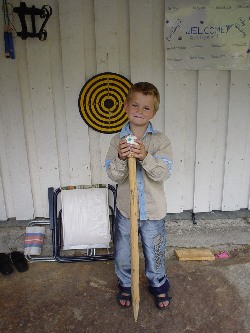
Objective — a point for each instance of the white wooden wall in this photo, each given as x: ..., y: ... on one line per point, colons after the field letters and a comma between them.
x: 44, y: 141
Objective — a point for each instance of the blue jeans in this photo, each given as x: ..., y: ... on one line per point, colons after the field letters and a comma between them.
x: 153, y: 238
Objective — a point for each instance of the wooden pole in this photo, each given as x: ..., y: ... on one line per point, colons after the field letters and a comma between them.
x: 134, y: 236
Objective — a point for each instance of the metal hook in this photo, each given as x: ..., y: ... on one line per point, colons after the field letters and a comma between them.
x: 22, y: 11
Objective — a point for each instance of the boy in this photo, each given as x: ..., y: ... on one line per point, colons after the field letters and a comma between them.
x: 154, y: 164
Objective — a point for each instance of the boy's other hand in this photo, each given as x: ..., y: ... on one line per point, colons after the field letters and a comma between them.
x: 138, y: 151
x: 126, y: 150
x: 123, y: 150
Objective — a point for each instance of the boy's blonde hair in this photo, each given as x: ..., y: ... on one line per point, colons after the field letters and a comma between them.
x: 145, y: 88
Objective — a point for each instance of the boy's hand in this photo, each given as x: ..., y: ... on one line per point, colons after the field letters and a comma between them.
x: 134, y: 150
x: 123, y: 149
x: 138, y: 151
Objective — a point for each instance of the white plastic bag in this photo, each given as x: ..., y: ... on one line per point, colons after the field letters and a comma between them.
x: 85, y: 218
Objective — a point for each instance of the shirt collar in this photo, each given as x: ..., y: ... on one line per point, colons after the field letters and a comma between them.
x: 126, y: 130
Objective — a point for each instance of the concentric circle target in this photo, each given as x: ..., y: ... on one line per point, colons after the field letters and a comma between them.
x: 101, y: 102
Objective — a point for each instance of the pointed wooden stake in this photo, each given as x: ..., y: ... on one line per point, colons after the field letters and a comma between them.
x: 134, y: 236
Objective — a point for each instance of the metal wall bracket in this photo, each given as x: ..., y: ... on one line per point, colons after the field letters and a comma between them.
x: 23, y: 11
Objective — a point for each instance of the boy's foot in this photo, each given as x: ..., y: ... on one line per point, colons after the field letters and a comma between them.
x: 162, y: 301
x: 124, y: 299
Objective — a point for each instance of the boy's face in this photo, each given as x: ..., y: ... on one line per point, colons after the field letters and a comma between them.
x: 140, y: 109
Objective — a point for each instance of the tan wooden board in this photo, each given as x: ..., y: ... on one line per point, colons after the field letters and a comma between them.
x: 194, y: 254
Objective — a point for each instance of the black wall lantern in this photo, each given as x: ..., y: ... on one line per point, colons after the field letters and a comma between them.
x: 23, y: 11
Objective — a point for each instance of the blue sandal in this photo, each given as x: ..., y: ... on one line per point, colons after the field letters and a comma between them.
x: 124, y: 295
x: 160, y: 299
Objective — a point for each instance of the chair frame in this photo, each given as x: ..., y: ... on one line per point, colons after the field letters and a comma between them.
x: 55, y: 223
x: 50, y: 222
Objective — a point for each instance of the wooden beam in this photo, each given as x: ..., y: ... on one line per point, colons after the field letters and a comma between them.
x: 194, y: 254
x: 134, y: 236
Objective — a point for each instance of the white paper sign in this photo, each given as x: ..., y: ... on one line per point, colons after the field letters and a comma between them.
x: 207, y: 34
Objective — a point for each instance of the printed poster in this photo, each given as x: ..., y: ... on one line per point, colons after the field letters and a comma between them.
x: 207, y: 34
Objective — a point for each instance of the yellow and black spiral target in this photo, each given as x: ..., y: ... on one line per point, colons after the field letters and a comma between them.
x: 101, y: 102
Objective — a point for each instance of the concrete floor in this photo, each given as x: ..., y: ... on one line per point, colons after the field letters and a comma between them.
x: 81, y: 297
